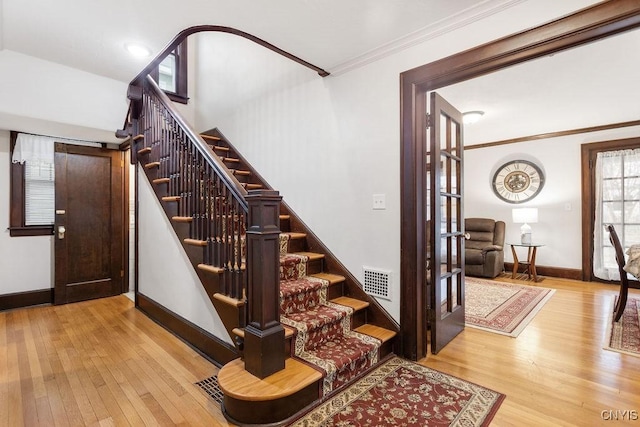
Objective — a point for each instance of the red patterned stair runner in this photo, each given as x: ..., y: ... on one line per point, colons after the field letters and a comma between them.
x: 324, y: 337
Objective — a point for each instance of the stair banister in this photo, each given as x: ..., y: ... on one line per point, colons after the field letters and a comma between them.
x: 230, y: 181
x: 182, y: 35
x: 218, y: 206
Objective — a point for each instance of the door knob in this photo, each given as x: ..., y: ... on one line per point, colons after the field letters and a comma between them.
x: 61, y: 231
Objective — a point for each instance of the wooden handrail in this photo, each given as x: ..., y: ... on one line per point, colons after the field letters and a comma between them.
x: 182, y: 35
x: 225, y: 175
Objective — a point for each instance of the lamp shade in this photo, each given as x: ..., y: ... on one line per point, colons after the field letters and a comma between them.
x: 525, y: 215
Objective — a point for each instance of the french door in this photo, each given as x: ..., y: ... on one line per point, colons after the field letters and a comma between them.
x: 444, y: 190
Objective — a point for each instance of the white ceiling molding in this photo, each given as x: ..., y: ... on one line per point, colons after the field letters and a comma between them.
x: 437, y: 29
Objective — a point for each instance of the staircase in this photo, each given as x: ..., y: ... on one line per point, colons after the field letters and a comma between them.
x: 333, y: 331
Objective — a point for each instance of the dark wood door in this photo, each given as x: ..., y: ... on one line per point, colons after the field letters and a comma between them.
x: 446, y: 214
x: 89, y: 227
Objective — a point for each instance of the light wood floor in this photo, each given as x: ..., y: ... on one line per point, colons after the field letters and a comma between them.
x: 555, y: 373
x: 104, y: 363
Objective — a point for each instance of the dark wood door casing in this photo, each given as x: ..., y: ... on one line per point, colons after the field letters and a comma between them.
x: 585, y: 26
x: 89, y: 259
x: 589, y: 153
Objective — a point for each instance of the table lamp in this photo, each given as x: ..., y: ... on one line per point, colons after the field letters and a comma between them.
x: 524, y: 216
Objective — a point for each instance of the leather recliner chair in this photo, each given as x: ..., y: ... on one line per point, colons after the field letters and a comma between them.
x: 484, y: 250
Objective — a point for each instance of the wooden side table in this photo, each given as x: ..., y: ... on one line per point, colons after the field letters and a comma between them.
x: 530, y: 264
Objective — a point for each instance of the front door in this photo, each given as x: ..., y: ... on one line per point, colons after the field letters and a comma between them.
x: 446, y: 222
x: 89, y: 231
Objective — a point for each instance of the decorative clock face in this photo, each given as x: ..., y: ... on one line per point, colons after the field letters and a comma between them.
x: 517, y: 181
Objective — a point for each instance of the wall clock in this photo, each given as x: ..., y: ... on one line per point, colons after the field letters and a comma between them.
x: 517, y: 181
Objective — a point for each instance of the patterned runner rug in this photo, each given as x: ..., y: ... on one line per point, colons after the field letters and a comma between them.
x: 403, y: 393
x: 624, y: 336
x: 500, y: 307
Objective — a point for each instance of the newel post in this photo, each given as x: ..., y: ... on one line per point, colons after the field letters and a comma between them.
x: 264, y: 344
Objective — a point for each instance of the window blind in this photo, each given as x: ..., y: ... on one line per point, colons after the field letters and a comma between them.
x: 39, y: 192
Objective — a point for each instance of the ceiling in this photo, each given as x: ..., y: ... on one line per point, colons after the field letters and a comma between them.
x: 90, y: 35
x: 586, y: 86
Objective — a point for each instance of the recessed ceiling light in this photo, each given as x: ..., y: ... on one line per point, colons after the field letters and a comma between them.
x: 472, y: 116
x: 137, y: 50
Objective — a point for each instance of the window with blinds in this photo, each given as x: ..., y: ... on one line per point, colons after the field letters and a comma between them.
x: 39, y: 188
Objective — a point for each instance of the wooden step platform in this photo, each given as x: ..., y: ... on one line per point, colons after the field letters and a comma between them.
x: 251, y: 400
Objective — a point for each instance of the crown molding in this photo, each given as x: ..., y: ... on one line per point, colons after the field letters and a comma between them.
x: 437, y: 29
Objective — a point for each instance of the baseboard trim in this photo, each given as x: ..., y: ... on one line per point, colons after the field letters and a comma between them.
x: 561, y: 273
x: 26, y: 299
x: 210, y: 346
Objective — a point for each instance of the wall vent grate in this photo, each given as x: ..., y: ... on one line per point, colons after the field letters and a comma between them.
x: 377, y: 282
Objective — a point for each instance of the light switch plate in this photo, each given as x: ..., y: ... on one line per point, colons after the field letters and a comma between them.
x: 379, y: 202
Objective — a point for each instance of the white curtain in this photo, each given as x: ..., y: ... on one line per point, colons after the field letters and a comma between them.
x: 618, y: 203
x: 33, y: 148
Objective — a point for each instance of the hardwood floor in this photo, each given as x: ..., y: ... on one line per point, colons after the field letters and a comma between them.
x: 102, y: 362
x: 555, y: 372
x: 98, y: 362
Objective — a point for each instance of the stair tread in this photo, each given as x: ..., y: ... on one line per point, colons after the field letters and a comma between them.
x: 210, y: 268
x: 181, y: 218
x: 152, y: 165
x: 240, y: 172
x: 171, y: 198
x: 138, y: 137
x: 285, y: 217
x: 227, y: 299
x: 210, y: 137
x: 378, y: 332
x: 195, y: 242
x: 356, y: 304
x: 219, y: 148
x: 313, y: 256
x: 236, y: 382
x: 332, y: 278
x: 251, y: 186
x: 161, y: 180
x: 295, y: 235
x: 143, y: 151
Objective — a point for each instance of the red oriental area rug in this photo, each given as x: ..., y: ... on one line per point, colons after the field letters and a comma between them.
x: 501, y: 307
x: 403, y: 393
x: 624, y: 336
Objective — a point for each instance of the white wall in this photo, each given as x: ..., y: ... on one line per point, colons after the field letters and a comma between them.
x: 25, y: 262
x: 339, y: 137
x: 165, y: 273
x: 559, y: 225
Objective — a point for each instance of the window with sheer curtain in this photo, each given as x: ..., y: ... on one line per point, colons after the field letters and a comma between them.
x: 617, y: 202
x: 36, y: 155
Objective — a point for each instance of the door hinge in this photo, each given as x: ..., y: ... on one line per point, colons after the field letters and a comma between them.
x: 121, y: 273
x: 428, y: 120
x: 121, y: 163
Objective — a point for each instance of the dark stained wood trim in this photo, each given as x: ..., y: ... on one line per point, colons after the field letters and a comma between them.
x: 126, y: 176
x: 210, y: 346
x: 26, y: 299
x: 182, y: 35
x: 554, y: 134
x: 588, y: 158
x: 587, y: 25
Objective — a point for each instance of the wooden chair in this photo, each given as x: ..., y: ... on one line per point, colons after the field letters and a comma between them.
x: 624, y: 281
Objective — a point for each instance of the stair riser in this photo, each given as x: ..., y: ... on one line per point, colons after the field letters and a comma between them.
x: 296, y: 245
